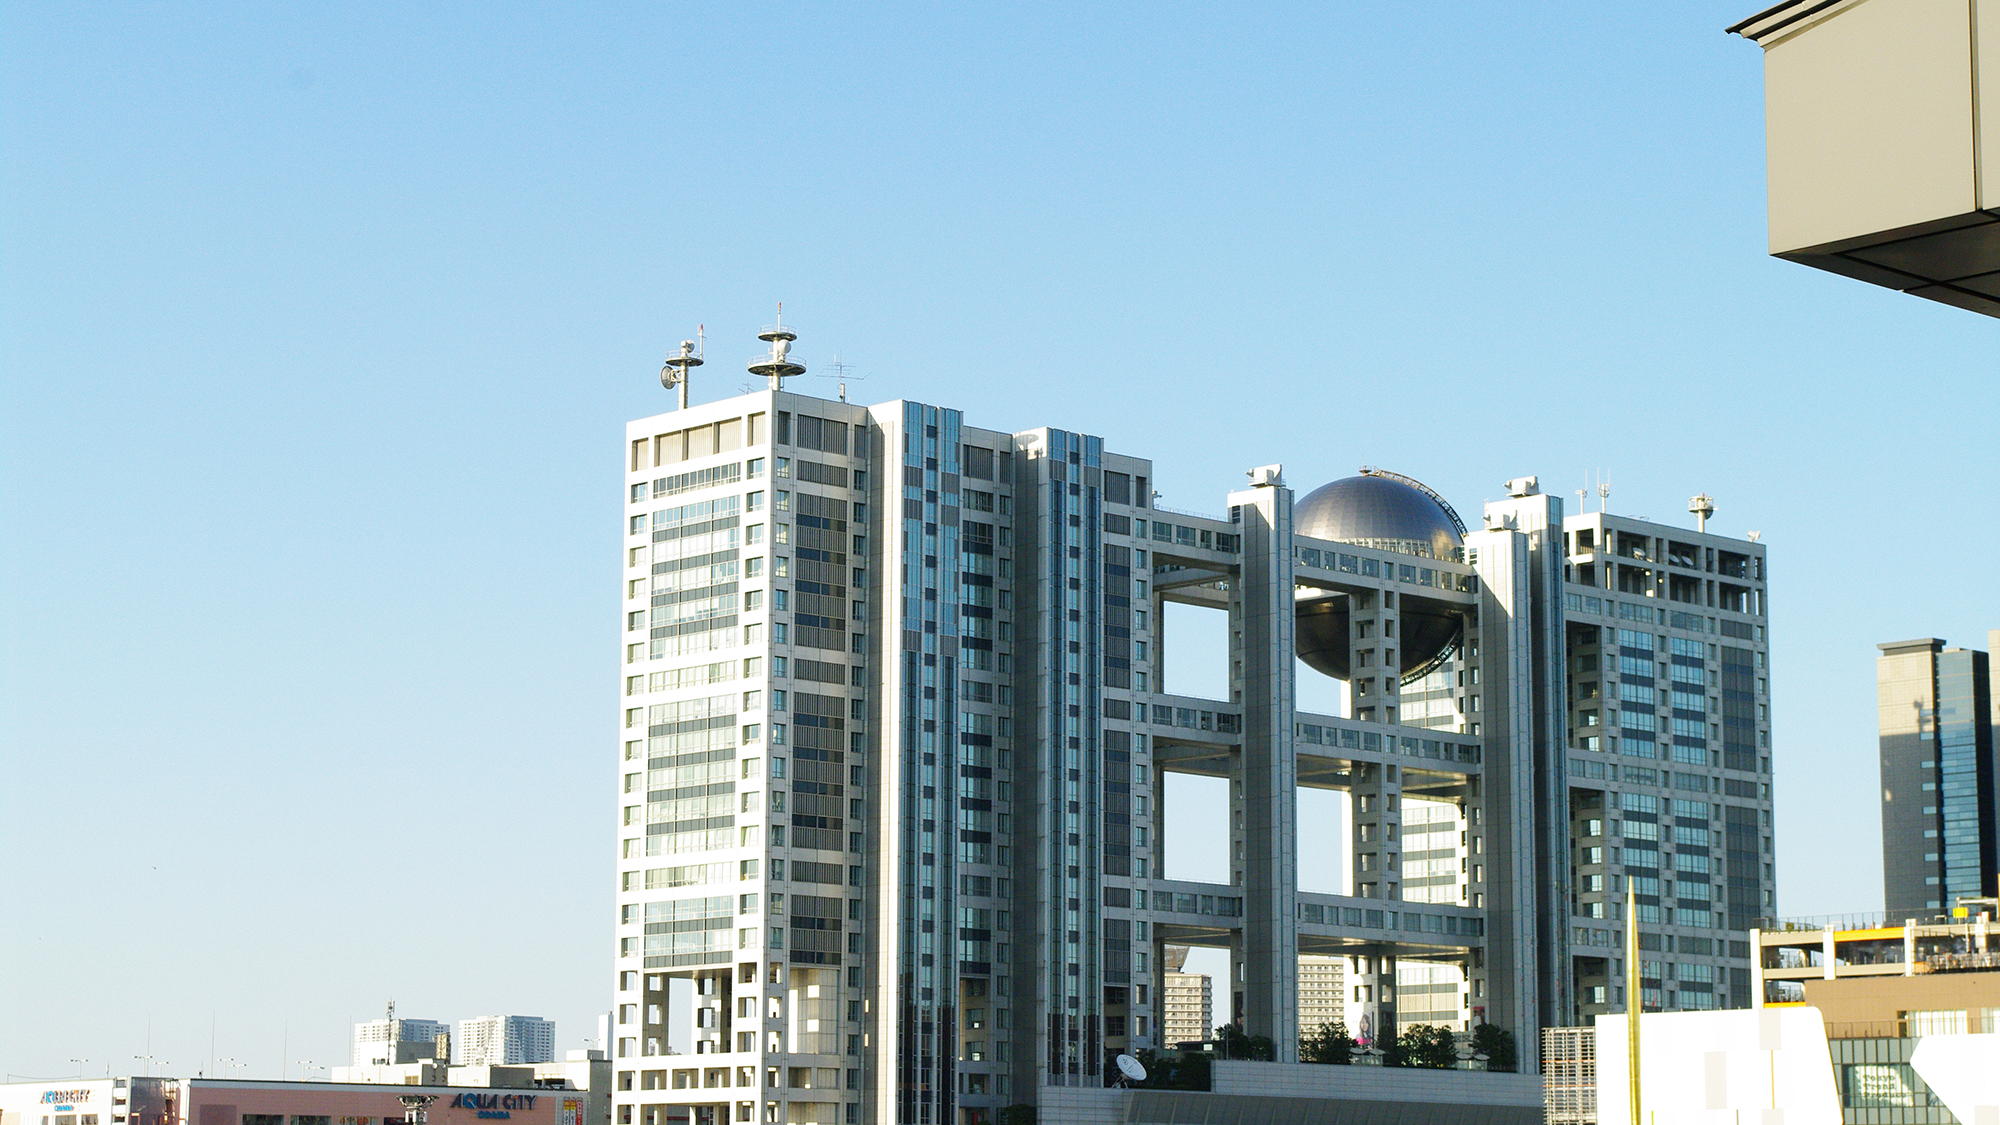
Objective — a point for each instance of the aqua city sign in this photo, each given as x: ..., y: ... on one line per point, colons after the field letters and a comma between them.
x: 494, y: 1105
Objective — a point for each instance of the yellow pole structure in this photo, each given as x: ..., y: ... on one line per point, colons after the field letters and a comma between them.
x: 1633, y: 1005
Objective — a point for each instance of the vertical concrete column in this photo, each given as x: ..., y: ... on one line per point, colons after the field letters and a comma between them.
x: 1371, y: 1003
x: 1375, y: 659
x: 1827, y: 953
x: 1510, y: 970
x: 1262, y: 635
x: 1523, y: 725
x: 1239, y: 850
x: 1228, y: 992
x: 1377, y: 796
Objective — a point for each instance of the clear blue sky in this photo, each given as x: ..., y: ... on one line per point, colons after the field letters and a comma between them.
x: 321, y: 322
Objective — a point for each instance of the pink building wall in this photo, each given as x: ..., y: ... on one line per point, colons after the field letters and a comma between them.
x: 209, y: 1102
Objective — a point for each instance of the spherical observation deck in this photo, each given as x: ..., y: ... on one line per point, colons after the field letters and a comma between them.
x: 1385, y: 513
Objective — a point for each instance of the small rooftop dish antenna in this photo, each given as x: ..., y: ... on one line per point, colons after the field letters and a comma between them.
x: 779, y: 365
x: 1132, y: 1069
x: 1703, y: 506
x: 674, y: 373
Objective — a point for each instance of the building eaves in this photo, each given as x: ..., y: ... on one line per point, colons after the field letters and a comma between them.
x: 1783, y: 17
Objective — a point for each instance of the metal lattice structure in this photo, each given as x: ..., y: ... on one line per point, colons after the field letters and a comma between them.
x: 1569, y: 1076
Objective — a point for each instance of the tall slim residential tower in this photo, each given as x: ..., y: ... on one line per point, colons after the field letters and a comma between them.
x: 1938, y: 716
x: 1187, y: 1000
x: 895, y: 749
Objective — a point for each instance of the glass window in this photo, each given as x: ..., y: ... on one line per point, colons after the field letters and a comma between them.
x: 1950, y: 1021
x: 1879, y: 1085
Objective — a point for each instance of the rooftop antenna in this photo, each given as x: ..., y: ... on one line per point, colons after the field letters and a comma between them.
x: 674, y: 373
x: 1604, y: 492
x: 1703, y: 506
x: 840, y: 371
x: 779, y: 365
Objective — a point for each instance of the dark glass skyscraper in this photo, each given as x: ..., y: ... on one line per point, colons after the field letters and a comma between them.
x: 1940, y: 818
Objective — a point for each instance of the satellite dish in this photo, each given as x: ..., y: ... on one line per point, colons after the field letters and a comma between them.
x: 1131, y: 1068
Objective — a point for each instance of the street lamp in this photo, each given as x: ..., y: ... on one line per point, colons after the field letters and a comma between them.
x: 80, y: 1063
x: 416, y: 1107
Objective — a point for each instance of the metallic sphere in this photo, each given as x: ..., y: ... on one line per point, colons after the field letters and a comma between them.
x: 1377, y: 511
x: 1385, y: 514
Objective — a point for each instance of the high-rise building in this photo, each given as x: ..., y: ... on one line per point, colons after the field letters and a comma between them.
x: 1670, y: 767
x: 1937, y: 714
x: 1322, y: 993
x: 896, y: 741
x: 388, y: 1042
x: 501, y: 1040
x: 1187, y: 1005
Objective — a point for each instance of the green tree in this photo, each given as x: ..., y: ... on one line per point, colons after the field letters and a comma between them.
x: 1329, y: 1043
x: 1192, y: 1072
x: 1497, y: 1044
x: 1235, y: 1043
x: 1427, y: 1046
x: 1231, y: 1042
x: 1018, y: 1115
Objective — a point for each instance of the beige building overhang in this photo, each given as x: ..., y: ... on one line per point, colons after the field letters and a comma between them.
x: 1882, y: 132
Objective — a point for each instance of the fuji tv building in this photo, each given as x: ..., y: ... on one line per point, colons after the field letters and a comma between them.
x: 894, y: 757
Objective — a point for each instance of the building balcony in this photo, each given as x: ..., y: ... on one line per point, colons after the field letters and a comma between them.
x: 1882, y: 131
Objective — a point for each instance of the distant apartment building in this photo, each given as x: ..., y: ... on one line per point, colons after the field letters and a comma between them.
x: 1940, y: 817
x: 1187, y: 1004
x: 387, y: 1042
x: 1321, y: 993
x: 504, y: 1040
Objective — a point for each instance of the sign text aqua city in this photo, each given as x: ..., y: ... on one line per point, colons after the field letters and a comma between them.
x: 494, y: 1105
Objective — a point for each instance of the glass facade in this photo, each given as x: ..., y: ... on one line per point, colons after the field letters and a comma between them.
x: 1940, y: 815
x: 1670, y: 764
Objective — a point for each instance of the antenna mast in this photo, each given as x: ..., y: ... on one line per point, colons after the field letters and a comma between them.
x: 779, y: 365
x: 1703, y: 506
x: 674, y: 373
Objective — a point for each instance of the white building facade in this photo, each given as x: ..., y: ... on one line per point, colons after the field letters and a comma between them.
x: 893, y: 753
x: 387, y: 1042
x: 504, y: 1040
